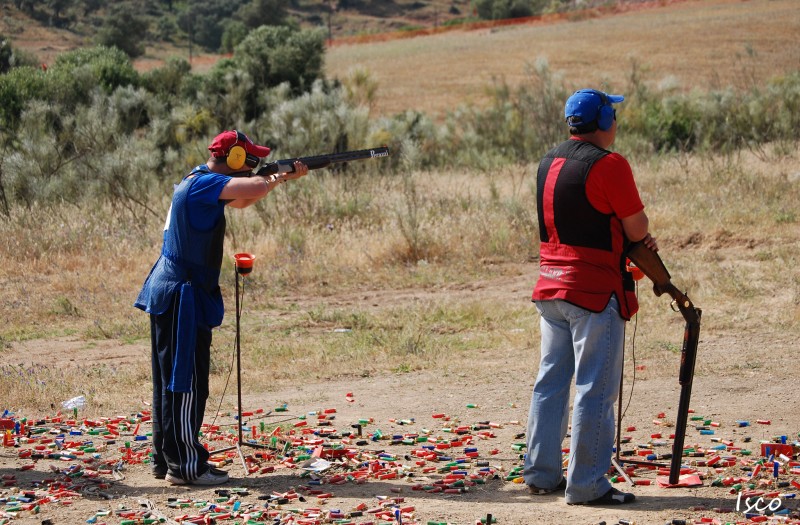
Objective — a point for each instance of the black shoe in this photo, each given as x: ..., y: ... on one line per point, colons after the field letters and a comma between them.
x: 612, y: 497
x: 536, y: 491
x: 159, y: 472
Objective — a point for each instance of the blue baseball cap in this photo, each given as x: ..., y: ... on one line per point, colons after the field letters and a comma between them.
x: 583, y: 107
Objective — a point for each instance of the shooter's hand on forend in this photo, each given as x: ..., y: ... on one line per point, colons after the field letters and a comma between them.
x: 298, y: 170
x: 287, y: 167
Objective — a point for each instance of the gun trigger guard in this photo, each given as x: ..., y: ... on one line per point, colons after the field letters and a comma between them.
x: 674, y: 306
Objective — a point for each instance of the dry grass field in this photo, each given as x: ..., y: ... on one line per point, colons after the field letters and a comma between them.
x: 391, y: 299
x: 707, y: 44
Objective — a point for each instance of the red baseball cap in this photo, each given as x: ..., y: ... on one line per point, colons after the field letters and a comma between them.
x: 223, y: 143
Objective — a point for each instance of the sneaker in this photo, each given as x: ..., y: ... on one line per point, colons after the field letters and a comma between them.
x: 612, y: 497
x: 209, y: 477
x: 159, y: 472
x: 536, y: 491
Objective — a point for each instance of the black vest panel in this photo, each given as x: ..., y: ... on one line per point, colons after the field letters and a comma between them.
x: 577, y: 222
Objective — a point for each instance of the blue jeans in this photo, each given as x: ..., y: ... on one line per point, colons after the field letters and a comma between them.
x: 589, y: 346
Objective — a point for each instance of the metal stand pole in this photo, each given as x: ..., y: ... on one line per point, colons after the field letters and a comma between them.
x: 615, y: 460
x: 240, y: 442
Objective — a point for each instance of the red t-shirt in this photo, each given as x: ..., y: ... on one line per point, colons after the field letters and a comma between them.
x: 611, y: 189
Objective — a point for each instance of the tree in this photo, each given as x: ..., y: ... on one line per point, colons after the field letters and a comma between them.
x: 124, y: 29
x: 58, y: 7
x: 205, y: 21
x: 234, y: 33
x: 499, y: 9
x: 76, y: 74
x: 17, y: 88
x: 90, y: 6
x: 264, y: 13
x: 274, y: 55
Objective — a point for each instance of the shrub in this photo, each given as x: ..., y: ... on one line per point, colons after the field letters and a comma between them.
x: 79, y: 70
x: 170, y: 81
x: 89, y: 153
x: 17, y: 88
x: 320, y: 121
x: 233, y: 35
x: 499, y: 9
x: 11, y: 57
x: 519, y: 124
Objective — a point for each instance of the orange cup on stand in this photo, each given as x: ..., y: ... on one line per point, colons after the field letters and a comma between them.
x: 637, y: 272
x: 244, y: 262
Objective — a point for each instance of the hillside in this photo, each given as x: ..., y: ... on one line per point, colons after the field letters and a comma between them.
x: 37, y: 32
x: 676, y: 47
x: 678, y: 44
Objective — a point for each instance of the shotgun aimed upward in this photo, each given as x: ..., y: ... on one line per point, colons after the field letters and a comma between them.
x: 321, y: 161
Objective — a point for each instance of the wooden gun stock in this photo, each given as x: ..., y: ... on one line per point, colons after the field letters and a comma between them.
x: 653, y: 267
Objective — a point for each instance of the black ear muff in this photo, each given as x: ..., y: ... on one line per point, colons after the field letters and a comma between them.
x: 251, y: 161
x: 605, y: 114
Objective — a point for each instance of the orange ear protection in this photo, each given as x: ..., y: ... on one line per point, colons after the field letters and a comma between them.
x: 237, y: 155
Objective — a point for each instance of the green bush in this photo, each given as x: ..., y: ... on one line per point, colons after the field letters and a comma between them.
x: 233, y: 35
x: 716, y: 121
x: 17, y: 88
x: 259, y: 13
x: 205, y: 21
x: 172, y: 81
x: 11, y: 57
x: 73, y: 131
x: 229, y: 93
x: 519, y: 124
x: 317, y: 122
x: 88, y: 154
x: 673, y: 124
x: 499, y: 9
x: 274, y: 55
x: 104, y: 67
x: 267, y: 57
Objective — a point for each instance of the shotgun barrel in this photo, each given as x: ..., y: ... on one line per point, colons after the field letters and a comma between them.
x: 322, y: 161
x: 653, y: 267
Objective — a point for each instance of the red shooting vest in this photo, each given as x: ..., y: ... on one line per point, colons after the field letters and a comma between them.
x: 581, y: 256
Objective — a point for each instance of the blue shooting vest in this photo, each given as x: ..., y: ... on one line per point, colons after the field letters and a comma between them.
x: 189, y: 265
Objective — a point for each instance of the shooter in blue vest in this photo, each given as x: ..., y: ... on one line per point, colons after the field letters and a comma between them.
x: 183, y: 298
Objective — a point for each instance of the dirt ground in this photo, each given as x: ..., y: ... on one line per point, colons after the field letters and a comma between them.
x: 473, y: 411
